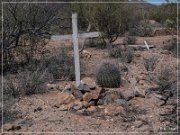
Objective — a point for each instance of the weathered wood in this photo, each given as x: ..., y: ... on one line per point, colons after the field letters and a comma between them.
x: 142, y: 46
x: 76, y: 48
x: 82, y: 35
x: 146, y: 45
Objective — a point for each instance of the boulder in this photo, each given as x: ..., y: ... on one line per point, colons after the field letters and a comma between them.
x: 122, y: 102
x: 128, y: 95
x: 95, y: 94
x: 77, y: 94
x: 84, y: 87
x: 64, y: 98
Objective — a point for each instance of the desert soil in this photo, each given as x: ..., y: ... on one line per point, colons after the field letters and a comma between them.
x: 37, y: 113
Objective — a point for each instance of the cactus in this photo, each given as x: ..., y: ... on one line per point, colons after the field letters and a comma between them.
x: 108, y: 75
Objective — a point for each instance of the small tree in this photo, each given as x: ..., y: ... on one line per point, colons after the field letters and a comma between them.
x: 26, y: 29
x: 111, y: 20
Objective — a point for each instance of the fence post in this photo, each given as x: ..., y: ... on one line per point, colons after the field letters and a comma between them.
x: 76, y: 48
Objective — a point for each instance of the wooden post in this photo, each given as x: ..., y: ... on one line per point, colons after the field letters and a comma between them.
x: 76, y: 48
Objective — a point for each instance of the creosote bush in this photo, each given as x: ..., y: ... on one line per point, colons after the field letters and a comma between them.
x: 125, y: 54
x: 95, y: 42
x: 150, y: 63
x: 108, y: 75
x: 129, y: 40
x: 26, y: 83
x: 115, y: 52
x: 142, y: 30
x: 172, y: 46
x: 61, y: 66
x: 164, y: 78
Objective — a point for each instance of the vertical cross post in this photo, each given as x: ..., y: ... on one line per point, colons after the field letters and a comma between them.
x: 76, y: 48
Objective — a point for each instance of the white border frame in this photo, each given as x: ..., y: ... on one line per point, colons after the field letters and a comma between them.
x: 177, y: 2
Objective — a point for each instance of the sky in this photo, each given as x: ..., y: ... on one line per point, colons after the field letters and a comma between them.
x: 159, y: 1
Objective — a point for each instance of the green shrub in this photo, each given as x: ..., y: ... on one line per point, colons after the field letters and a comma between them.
x: 115, y: 52
x: 125, y: 54
x: 129, y: 40
x: 172, y: 46
x: 33, y: 82
x: 108, y: 75
x: 142, y: 30
x: 164, y: 78
x: 61, y: 66
x: 150, y: 63
x: 95, y: 42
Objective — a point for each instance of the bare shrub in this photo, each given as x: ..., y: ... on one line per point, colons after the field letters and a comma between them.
x: 150, y: 63
x: 129, y: 40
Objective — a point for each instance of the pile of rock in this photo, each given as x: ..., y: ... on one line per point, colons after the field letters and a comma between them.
x: 87, y: 99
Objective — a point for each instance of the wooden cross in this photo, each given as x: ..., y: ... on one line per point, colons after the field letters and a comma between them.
x: 75, y: 36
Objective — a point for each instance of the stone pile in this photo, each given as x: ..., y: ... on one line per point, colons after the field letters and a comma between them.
x: 87, y: 99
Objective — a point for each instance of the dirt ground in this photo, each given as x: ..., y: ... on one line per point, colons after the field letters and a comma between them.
x: 37, y: 113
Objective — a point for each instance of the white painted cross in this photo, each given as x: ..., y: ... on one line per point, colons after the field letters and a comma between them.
x: 75, y: 36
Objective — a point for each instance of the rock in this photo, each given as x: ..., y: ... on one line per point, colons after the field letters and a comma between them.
x: 87, y: 97
x: 92, y: 103
x: 100, y: 102
x: 92, y: 87
x: 67, y: 88
x: 84, y: 87
x: 122, y: 102
x: 138, y: 93
x: 91, y: 109
x: 95, y: 94
x: 107, y: 99
x: 89, y: 81
x: 85, y: 104
x: 113, y: 110
x: 138, y: 123
x: 64, y: 98
x: 38, y: 109
x: 78, y: 105
x: 77, y: 94
x: 128, y: 95
x: 9, y: 127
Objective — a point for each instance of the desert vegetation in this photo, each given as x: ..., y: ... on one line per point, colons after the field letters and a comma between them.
x: 128, y: 73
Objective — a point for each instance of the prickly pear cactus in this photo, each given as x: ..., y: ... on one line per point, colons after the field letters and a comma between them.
x: 108, y: 75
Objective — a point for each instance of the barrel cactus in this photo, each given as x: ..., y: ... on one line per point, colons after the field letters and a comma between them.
x: 108, y: 75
